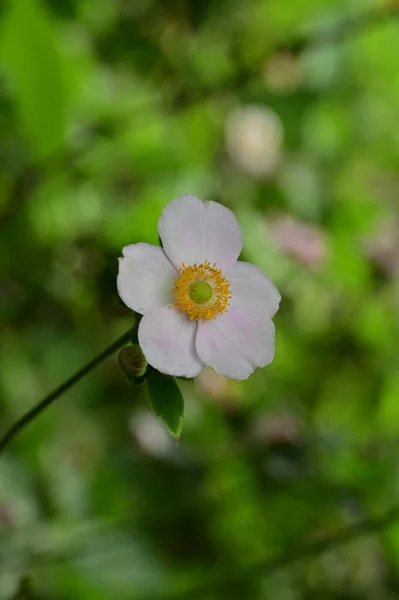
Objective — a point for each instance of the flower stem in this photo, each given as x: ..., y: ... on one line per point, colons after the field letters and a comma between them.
x: 64, y: 387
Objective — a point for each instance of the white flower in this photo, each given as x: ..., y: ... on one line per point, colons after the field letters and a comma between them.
x: 200, y: 305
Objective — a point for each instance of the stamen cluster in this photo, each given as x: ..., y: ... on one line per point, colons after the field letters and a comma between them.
x: 210, y: 274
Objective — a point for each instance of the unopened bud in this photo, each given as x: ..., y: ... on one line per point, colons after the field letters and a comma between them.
x: 133, y: 363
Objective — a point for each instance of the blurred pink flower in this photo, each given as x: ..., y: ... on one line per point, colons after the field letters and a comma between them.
x: 282, y: 73
x: 6, y: 515
x: 201, y: 306
x: 305, y: 243
x: 383, y: 246
x: 277, y: 428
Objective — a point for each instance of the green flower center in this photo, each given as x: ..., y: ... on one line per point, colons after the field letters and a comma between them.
x: 200, y: 292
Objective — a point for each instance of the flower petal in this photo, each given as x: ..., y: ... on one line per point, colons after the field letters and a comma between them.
x: 235, y: 343
x: 193, y: 231
x: 145, y: 278
x: 167, y: 338
x: 251, y: 289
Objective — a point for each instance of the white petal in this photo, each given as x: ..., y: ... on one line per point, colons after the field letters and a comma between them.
x: 145, y: 278
x: 167, y: 338
x: 235, y: 343
x: 251, y: 289
x: 193, y: 231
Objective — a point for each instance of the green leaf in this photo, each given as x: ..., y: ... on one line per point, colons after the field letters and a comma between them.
x: 166, y: 400
x: 30, y: 59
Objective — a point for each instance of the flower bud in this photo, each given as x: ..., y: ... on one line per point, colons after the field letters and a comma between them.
x: 133, y: 363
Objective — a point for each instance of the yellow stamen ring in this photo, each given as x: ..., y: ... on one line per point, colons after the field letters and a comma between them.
x: 201, y: 291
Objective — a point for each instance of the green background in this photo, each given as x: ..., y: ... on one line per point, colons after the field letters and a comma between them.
x: 108, y: 110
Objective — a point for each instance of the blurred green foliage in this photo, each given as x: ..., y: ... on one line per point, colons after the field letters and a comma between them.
x: 108, y: 110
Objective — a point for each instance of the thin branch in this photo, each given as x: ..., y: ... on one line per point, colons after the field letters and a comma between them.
x: 28, y: 417
x: 293, y: 555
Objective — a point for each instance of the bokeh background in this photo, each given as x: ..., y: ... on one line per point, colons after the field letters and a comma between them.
x: 286, y: 112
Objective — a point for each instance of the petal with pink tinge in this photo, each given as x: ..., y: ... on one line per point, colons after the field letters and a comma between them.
x: 193, y: 231
x: 167, y: 338
x: 235, y: 343
x: 145, y: 278
x: 251, y: 289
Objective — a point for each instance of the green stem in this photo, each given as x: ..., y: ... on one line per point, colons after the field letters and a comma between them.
x: 64, y: 387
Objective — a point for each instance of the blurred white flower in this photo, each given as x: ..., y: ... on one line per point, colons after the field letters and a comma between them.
x: 201, y: 306
x: 150, y: 434
x: 254, y: 136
